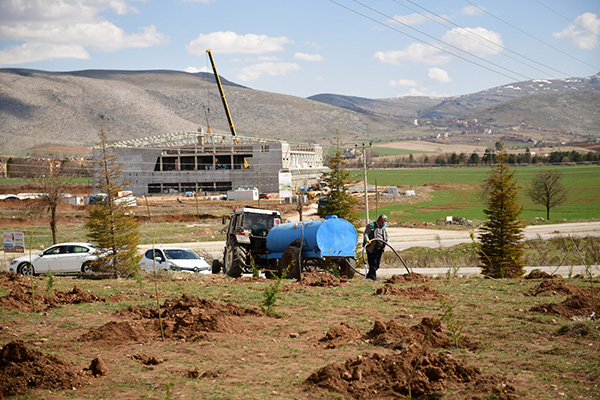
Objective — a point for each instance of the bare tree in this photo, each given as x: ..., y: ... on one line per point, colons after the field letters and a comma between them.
x: 52, y: 185
x: 547, y: 189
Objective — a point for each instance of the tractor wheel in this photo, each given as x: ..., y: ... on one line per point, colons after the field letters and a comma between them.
x: 234, y: 261
x: 348, y: 267
x: 290, y: 262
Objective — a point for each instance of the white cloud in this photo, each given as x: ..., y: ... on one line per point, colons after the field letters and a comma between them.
x: 475, y: 40
x: 473, y: 10
x: 587, y: 38
x: 403, y: 83
x: 255, y: 71
x: 438, y: 75
x: 308, y: 57
x: 231, y: 42
x: 32, y: 52
x: 195, y: 70
x: 64, y: 29
x: 415, y: 52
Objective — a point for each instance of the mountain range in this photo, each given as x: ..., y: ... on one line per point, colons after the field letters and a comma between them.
x: 67, y: 109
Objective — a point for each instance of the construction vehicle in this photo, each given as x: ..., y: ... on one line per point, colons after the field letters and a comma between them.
x: 229, y: 120
x: 257, y: 240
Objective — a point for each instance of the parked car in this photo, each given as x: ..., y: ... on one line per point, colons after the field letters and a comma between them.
x: 264, y: 196
x: 62, y: 258
x: 174, y: 259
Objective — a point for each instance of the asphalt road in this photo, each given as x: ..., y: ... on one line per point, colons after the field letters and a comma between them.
x: 404, y: 238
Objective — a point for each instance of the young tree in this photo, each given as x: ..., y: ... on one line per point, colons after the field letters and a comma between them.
x: 501, y: 250
x: 52, y: 185
x: 111, y: 225
x: 547, y: 189
x: 339, y: 202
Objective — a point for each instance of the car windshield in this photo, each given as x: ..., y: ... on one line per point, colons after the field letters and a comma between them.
x: 181, y: 254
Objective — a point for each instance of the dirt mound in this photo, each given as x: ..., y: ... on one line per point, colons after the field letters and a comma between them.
x: 578, y: 306
x: 188, y: 318
x: 377, y: 376
x: 415, y: 292
x: 22, y: 369
x: 550, y: 287
x: 8, y: 280
x: 340, y: 334
x: 414, y: 277
x: 539, y: 274
x: 314, y: 278
x: 20, y: 298
x: 76, y: 296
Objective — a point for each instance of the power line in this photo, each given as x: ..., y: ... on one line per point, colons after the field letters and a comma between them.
x: 531, y: 36
x: 429, y: 44
x: 568, y: 19
x: 479, y: 36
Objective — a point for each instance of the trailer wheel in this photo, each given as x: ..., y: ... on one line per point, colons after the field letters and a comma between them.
x: 348, y: 267
x: 290, y: 261
x: 216, y: 266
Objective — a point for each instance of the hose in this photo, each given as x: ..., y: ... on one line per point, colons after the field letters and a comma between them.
x: 388, y: 245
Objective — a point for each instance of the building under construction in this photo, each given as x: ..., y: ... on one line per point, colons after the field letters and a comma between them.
x: 208, y: 162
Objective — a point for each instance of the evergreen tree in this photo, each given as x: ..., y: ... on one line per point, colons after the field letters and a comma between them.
x: 501, y: 250
x: 110, y: 223
x: 340, y: 202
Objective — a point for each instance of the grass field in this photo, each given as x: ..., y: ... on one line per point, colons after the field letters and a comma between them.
x: 457, y: 192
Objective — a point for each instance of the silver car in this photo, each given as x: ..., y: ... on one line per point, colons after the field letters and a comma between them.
x: 62, y: 258
x: 174, y: 259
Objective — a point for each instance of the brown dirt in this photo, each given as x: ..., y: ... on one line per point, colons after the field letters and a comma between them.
x: 340, y: 334
x: 387, y: 376
x: 584, y: 305
x: 425, y: 293
x: 22, y: 368
x: 314, y: 278
x: 20, y: 298
x: 539, y: 274
x: 550, y: 287
x: 189, y: 318
x: 413, y: 277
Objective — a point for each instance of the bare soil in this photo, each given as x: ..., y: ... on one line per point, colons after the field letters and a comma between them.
x: 129, y: 345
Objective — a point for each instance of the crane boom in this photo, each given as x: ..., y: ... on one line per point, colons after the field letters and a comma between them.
x: 231, y: 127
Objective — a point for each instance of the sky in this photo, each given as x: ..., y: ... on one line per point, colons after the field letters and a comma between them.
x: 373, y: 49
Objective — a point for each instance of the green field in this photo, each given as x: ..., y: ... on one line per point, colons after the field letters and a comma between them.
x: 583, y: 183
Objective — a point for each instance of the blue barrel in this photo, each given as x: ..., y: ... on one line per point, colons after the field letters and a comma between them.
x: 331, y: 237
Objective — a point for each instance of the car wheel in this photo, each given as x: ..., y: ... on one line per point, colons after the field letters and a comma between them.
x: 87, y: 269
x: 26, y: 269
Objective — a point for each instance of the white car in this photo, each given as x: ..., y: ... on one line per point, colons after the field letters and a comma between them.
x: 62, y: 258
x: 174, y: 259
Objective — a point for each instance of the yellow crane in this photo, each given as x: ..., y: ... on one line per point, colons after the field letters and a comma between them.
x: 231, y: 127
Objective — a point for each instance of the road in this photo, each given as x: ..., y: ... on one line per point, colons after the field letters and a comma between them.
x: 404, y: 238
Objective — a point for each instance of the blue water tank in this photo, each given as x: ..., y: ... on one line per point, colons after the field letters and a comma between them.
x: 330, y: 237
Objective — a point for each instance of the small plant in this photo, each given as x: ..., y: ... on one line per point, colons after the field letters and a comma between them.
x: 454, y: 325
x: 50, y: 282
x: 255, y: 272
x: 270, y: 294
x: 452, y: 271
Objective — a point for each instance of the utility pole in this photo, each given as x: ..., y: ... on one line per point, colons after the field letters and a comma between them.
x: 364, y: 153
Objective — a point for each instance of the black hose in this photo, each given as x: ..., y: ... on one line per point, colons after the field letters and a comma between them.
x: 388, y: 245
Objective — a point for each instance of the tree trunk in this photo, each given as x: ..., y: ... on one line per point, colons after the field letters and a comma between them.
x: 53, y: 225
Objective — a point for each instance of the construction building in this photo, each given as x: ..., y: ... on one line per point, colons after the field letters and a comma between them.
x: 209, y: 162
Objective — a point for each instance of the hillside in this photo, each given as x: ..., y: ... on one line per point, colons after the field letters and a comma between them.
x: 48, y: 109
x: 43, y: 108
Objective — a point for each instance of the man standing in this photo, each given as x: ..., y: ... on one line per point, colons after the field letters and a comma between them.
x: 375, y: 238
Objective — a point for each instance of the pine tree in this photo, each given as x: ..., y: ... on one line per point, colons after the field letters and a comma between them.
x: 340, y: 202
x: 501, y: 250
x: 111, y: 225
